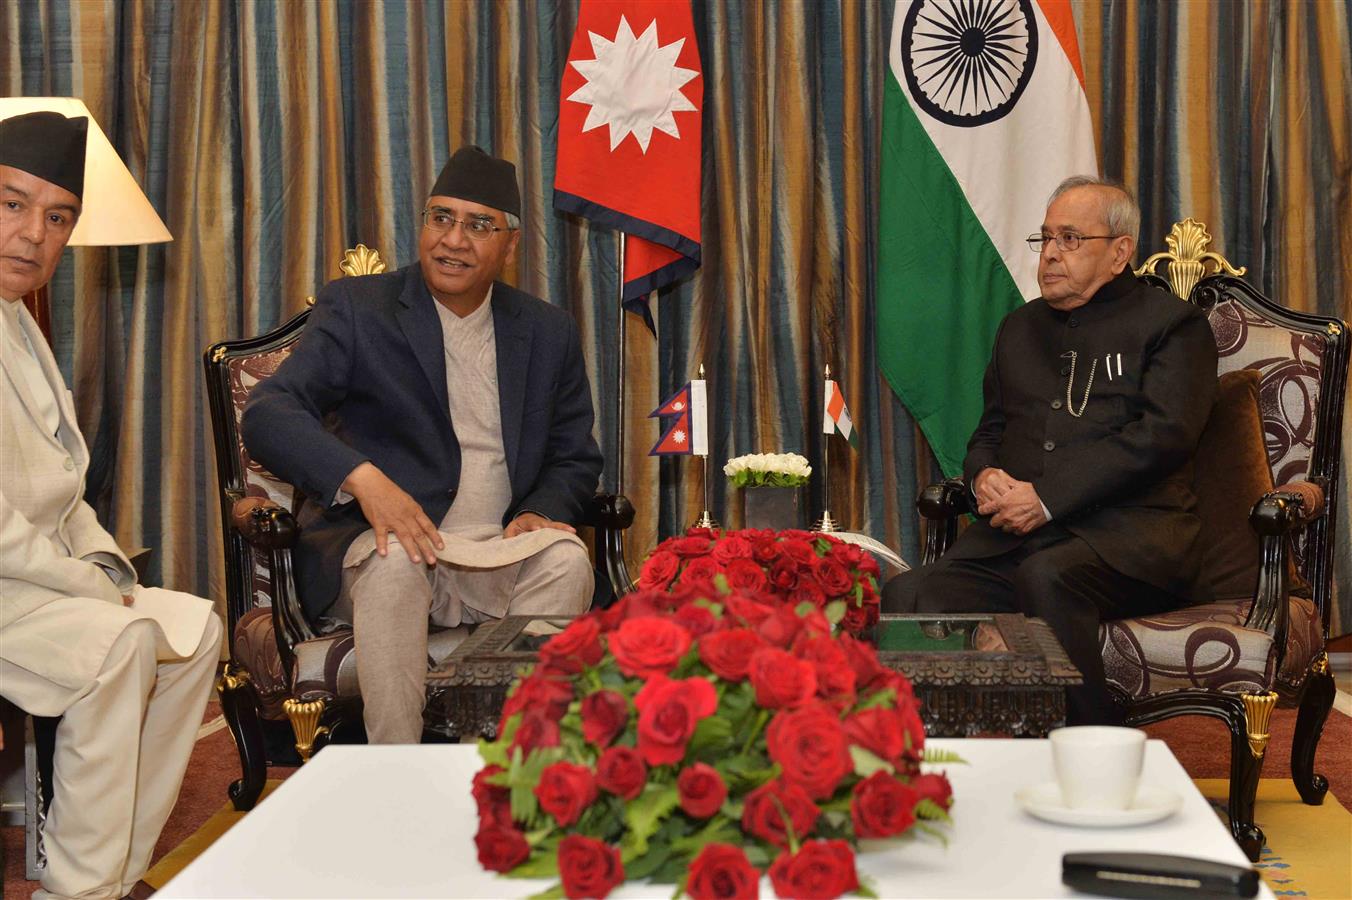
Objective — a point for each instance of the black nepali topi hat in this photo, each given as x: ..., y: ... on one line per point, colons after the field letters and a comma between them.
x: 475, y: 176
x: 48, y: 145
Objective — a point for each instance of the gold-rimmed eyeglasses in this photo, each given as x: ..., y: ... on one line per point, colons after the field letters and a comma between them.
x: 1068, y: 241
x: 481, y: 228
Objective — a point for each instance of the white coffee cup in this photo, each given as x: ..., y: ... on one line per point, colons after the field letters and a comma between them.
x: 1098, y: 766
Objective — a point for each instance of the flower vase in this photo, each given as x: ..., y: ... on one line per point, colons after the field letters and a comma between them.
x: 775, y: 508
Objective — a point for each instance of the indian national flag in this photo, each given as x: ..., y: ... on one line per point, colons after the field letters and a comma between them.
x: 836, y: 415
x: 984, y: 114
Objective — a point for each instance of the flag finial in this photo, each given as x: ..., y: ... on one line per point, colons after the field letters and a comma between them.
x: 701, y: 371
x: 828, y: 370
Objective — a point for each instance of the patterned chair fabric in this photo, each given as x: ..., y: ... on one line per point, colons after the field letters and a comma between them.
x: 1208, y: 647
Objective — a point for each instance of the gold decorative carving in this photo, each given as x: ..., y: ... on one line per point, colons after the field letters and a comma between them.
x: 1188, y: 257
x: 1320, y: 666
x: 309, y: 302
x: 1334, y: 329
x: 218, y: 354
x: 362, y: 261
x: 305, y: 716
x: 232, y: 678
x: 1257, y: 714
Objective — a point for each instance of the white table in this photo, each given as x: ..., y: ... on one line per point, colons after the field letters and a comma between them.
x: 399, y: 822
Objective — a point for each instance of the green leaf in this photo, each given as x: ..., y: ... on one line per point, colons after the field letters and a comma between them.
x: 671, y: 871
x: 543, y: 862
x: 866, y: 888
x: 712, y: 737
x: 886, y: 697
x: 835, y: 611
x: 721, y: 582
x: 928, y: 809
x: 638, y: 866
x: 931, y: 831
x: 939, y: 756
x: 646, y: 812
x: 718, y: 829
x: 759, y: 855
x: 802, y: 609
x: 867, y: 762
x: 493, y: 753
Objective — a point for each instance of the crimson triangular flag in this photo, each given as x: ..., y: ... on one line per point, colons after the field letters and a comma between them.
x: 629, y: 136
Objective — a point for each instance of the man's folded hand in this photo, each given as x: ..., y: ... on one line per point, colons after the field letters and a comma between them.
x: 389, y: 508
x: 1018, y: 510
x: 529, y: 521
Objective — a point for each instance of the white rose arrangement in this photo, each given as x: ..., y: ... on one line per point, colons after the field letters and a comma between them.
x: 768, y: 470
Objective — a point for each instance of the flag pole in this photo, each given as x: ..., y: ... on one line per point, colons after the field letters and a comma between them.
x: 706, y: 519
x: 619, y: 376
x: 826, y: 524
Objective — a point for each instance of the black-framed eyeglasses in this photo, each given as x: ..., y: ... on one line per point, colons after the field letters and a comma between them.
x: 1068, y: 241
x: 439, y: 219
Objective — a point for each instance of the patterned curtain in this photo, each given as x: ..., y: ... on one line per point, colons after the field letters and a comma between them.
x: 272, y: 135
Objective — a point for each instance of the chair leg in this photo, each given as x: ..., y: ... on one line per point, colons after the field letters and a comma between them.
x: 305, y: 716
x: 239, y: 705
x: 1248, y: 745
x: 1315, y: 703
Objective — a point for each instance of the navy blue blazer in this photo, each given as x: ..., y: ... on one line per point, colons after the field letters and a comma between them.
x: 367, y: 381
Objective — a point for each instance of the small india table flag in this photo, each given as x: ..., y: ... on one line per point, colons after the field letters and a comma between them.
x: 836, y: 415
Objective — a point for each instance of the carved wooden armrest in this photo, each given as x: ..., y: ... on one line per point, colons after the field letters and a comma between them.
x: 610, y: 511
x: 1310, y: 496
x: 940, y: 504
x: 263, y: 523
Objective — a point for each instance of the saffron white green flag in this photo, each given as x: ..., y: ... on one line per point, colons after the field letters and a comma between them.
x: 984, y: 114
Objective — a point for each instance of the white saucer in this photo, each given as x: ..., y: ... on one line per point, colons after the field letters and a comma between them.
x: 1151, y: 805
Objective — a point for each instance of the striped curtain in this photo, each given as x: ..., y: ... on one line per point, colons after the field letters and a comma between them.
x: 273, y: 134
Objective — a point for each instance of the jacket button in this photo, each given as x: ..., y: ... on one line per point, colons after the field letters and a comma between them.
x: 1074, y: 322
x: 1065, y: 370
x: 1056, y: 404
x: 68, y: 463
x: 1049, y: 446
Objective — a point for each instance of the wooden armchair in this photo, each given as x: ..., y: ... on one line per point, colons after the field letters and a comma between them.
x: 282, y: 667
x: 1257, y: 639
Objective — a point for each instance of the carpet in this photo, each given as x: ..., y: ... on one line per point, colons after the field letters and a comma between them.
x: 220, y: 822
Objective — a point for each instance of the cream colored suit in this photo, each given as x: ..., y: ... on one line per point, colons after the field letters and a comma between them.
x: 129, y: 681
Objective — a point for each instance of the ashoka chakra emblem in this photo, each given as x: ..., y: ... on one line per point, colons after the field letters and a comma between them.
x: 967, y: 61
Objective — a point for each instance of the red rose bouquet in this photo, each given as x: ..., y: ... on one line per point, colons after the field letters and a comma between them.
x: 703, y: 743
x: 772, y: 567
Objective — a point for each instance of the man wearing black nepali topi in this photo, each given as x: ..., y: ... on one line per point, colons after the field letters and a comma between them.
x: 127, y: 668
x: 462, y: 451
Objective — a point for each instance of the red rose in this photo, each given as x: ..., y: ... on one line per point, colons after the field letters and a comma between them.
x: 689, y: 547
x: 696, y: 619
x: 878, y: 731
x: 501, y: 847
x: 781, y: 628
x: 859, y: 619
x: 565, y: 790
x: 542, y: 692
x: 807, y: 591
x: 535, y: 730
x: 934, y: 786
x: 774, y: 807
x: 800, y: 552
x: 784, y: 574
x: 745, y: 575
x: 821, y: 870
x: 691, y: 589
x: 493, y: 802
x: 833, y: 578
x: 749, y: 612
x: 705, y: 568
x: 835, y: 678
x: 604, y: 715
x: 722, y: 872
x: 732, y: 547
x: 847, y: 555
x: 588, y: 868
x: 798, y: 534
x: 576, y: 646
x: 869, y: 566
x: 621, y: 771
x: 781, y: 679
x: 702, y: 790
x: 863, y: 659
x: 882, y: 807
x: 648, y: 646
x: 728, y: 653
x: 913, y: 729
x: 810, y: 747
x: 765, y: 551
x: 658, y: 569
x: 668, y: 712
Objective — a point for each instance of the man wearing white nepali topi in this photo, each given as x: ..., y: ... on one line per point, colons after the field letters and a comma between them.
x: 127, y: 668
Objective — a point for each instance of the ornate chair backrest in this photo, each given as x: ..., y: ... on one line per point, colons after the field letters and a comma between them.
x: 233, y: 369
x: 1302, y: 363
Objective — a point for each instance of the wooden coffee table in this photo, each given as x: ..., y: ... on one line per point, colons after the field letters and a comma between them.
x: 974, y: 674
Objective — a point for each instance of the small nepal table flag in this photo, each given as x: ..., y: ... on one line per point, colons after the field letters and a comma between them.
x: 629, y: 136
x: 836, y: 415
x: 689, y: 434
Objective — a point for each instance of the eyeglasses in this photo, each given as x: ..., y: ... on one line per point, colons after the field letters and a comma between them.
x: 1068, y: 241
x: 439, y: 219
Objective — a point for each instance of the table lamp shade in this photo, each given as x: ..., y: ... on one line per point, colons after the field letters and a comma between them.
x: 115, y: 211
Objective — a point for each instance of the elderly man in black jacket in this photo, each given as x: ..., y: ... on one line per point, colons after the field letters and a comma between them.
x: 427, y: 402
x: 1095, y: 398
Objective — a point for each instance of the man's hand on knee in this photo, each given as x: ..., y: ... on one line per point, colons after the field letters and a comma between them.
x: 529, y: 521
x: 1019, y: 510
x: 389, y: 508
